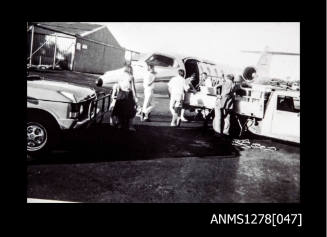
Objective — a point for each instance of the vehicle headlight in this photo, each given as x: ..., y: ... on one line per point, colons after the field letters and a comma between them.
x: 68, y: 95
x: 75, y: 110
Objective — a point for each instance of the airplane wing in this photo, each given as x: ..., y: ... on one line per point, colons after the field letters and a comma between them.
x: 271, y: 52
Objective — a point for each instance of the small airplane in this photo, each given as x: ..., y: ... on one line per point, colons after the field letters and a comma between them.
x: 166, y: 66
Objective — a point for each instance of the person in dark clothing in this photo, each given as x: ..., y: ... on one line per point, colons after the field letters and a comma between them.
x: 126, y: 100
x: 224, y: 106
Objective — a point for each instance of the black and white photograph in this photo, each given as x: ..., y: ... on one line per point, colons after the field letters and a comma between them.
x: 163, y: 112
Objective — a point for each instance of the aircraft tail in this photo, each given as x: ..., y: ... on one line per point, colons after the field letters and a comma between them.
x: 264, y: 63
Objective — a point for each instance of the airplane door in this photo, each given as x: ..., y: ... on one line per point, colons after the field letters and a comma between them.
x: 286, y: 119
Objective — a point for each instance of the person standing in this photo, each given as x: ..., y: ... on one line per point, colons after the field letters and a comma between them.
x: 204, y: 80
x: 189, y: 88
x: 176, y: 87
x: 126, y: 100
x: 190, y: 83
x: 148, y: 85
x: 224, y: 106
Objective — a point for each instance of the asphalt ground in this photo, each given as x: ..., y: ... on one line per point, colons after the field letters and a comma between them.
x: 161, y: 164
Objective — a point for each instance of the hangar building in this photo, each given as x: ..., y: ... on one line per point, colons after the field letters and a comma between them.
x: 81, y: 47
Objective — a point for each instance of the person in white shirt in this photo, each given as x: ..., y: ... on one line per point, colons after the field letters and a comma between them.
x: 125, y: 99
x: 208, y: 82
x: 176, y: 87
x: 189, y: 88
x: 205, y: 80
x: 148, y: 85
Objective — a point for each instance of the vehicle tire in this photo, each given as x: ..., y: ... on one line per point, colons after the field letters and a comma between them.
x: 42, y: 134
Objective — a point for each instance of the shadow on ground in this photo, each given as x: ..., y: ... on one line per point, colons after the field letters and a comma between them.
x: 105, y: 143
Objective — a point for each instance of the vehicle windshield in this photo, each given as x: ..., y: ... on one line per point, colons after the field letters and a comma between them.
x: 288, y: 103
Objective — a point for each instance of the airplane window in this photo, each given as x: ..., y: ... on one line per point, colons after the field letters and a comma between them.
x: 288, y: 103
x: 160, y: 60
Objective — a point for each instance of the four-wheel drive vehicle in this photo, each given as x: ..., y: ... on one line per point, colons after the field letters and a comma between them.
x: 53, y: 106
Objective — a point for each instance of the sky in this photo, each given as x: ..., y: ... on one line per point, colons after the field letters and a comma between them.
x: 219, y: 42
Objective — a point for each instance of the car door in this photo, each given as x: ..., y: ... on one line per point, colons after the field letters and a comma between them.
x: 164, y: 66
x: 286, y: 118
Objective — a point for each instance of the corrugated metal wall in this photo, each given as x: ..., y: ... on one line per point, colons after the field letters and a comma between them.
x: 97, y: 58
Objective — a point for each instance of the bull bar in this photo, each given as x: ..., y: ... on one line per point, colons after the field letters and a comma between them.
x: 100, y: 106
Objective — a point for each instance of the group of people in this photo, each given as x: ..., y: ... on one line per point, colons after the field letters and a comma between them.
x: 224, y: 100
x: 125, y: 98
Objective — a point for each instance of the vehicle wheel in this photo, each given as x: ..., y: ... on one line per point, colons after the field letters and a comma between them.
x: 41, y: 136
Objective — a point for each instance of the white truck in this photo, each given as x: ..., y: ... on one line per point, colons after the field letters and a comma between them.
x: 270, y: 112
x: 263, y: 110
